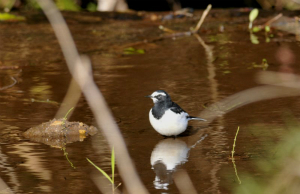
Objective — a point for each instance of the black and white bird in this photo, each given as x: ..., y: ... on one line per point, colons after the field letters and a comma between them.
x: 167, y: 117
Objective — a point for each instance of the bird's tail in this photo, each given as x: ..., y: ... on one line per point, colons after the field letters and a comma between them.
x: 195, y: 118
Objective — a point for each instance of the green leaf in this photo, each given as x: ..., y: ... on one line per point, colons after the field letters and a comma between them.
x: 253, y: 15
x: 92, y: 7
x: 67, y: 5
x: 11, y: 17
x: 104, y: 173
x: 255, y: 29
x: 132, y: 51
x: 267, y: 28
x: 65, y: 118
x: 113, y: 165
x: 140, y: 51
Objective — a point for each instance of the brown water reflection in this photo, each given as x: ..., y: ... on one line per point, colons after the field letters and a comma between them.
x: 193, y: 71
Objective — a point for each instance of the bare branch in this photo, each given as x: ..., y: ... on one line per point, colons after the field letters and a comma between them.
x: 80, y: 68
x: 206, y: 11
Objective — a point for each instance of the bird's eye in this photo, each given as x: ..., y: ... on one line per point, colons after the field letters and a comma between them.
x: 158, y: 96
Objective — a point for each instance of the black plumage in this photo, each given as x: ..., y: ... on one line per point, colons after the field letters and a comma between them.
x: 164, y: 103
x: 167, y: 117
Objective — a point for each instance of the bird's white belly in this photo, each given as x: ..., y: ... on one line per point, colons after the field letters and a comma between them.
x: 170, y: 123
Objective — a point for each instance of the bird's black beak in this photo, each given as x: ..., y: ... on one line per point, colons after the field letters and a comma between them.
x: 149, y: 96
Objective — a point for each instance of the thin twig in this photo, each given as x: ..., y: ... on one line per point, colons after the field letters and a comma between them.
x: 175, y: 34
x: 268, y: 23
x: 206, y: 11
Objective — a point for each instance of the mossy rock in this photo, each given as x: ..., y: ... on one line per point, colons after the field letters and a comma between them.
x: 59, y: 132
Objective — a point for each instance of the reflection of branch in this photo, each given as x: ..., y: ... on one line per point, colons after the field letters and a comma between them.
x: 201, y: 139
x: 71, y: 99
x: 4, y: 188
x: 285, y: 86
x: 232, y: 154
x: 235, y: 170
x: 81, y: 70
x: 11, y: 85
x: 184, y: 182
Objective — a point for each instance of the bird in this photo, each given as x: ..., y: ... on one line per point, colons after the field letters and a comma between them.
x: 167, y: 117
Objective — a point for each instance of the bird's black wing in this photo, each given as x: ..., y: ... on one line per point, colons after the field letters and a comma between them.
x: 176, y: 108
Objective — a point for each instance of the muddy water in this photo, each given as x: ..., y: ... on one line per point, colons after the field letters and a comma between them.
x: 194, y: 74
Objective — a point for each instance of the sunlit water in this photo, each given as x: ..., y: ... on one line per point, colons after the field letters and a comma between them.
x: 193, y: 76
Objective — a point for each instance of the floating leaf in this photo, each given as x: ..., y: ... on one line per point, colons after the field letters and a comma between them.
x: 255, y: 29
x: 10, y: 17
x: 132, y: 51
x: 226, y: 72
x: 264, y: 64
x: 140, y: 51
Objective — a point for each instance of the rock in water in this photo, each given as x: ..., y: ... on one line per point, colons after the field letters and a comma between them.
x: 59, y: 132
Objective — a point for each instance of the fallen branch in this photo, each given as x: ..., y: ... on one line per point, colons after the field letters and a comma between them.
x: 174, y: 34
x: 268, y: 23
x: 205, y: 13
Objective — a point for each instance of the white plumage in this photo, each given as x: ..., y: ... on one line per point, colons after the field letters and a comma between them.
x: 171, y: 124
x: 167, y: 117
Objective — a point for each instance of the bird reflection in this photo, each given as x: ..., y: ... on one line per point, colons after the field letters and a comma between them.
x: 166, y: 157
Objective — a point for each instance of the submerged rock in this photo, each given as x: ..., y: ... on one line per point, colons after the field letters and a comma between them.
x: 59, y: 132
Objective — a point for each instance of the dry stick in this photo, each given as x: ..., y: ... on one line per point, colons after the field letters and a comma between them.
x: 268, y: 23
x: 197, y: 28
x: 176, y: 34
x: 202, y: 18
x: 80, y: 68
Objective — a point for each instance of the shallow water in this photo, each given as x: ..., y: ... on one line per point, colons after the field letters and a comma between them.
x: 32, y: 56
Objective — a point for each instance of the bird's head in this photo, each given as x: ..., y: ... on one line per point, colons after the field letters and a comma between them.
x: 159, y: 96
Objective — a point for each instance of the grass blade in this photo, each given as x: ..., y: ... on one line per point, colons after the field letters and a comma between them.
x: 113, y: 165
x: 104, y: 173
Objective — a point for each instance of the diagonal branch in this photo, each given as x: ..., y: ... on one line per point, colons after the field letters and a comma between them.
x: 80, y: 69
